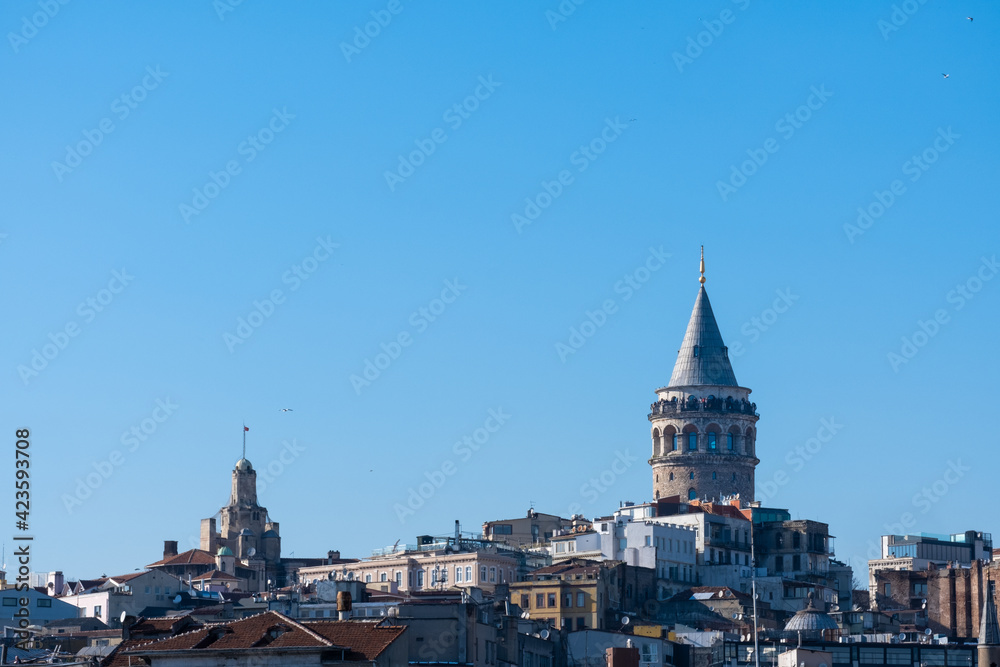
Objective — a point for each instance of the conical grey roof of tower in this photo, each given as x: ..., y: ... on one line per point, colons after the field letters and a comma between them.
x: 711, y: 364
x: 989, y: 631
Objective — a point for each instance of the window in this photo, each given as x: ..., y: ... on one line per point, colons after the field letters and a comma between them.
x: 779, y: 563
x: 560, y: 547
x: 147, y: 590
x: 420, y: 578
x: 671, y: 477
x: 696, y: 351
x: 713, y: 475
x: 729, y: 441
x: 468, y: 574
x: 691, y: 475
x: 648, y: 538
x: 551, y: 600
x: 887, y: 590
x: 444, y: 575
x: 493, y: 574
x: 567, y: 600
x: 524, y: 601
x: 872, y: 656
x: 579, y: 599
x: 458, y: 574
x: 10, y: 602
x: 674, y: 442
x: 712, y: 445
x: 383, y: 577
x: 399, y: 578
x: 157, y: 590
x: 97, y: 611
x: 434, y: 576
x: 409, y: 578
x: 503, y: 529
x: 796, y: 562
x: 796, y: 540
x: 898, y: 656
x: 692, y: 441
x: 43, y: 602
x: 581, y: 623
x: 692, y: 494
x: 734, y: 477
x: 368, y: 578
x: 482, y: 574
x: 539, y: 601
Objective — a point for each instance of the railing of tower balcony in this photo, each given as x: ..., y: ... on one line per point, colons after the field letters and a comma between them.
x: 709, y: 403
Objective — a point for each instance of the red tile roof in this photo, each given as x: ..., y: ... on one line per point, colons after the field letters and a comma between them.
x: 215, y: 575
x: 250, y: 632
x: 362, y: 640
x: 366, y: 639
x: 122, y: 578
x: 189, y: 557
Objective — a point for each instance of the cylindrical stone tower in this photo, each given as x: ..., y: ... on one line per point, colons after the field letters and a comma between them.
x: 703, y: 424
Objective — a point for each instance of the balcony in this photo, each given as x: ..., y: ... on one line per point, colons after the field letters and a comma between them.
x: 729, y: 405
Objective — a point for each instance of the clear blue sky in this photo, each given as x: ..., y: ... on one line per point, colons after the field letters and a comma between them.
x: 337, y: 123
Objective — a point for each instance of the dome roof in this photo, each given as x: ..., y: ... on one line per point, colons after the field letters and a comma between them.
x: 269, y: 533
x: 246, y: 532
x: 811, y: 619
x: 224, y: 551
x: 243, y: 465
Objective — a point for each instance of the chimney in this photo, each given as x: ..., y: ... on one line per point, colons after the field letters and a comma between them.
x: 58, y: 581
x: 169, y: 548
x: 333, y: 555
x: 343, y: 605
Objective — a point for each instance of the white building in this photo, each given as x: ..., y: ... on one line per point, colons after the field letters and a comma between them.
x: 432, y: 565
x: 131, y: 593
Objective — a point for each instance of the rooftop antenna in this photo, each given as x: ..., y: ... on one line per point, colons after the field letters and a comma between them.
x: 245, y: 429
x: 702, y: 267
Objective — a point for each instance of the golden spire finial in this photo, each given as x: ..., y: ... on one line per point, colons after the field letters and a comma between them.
x: 702, y: 278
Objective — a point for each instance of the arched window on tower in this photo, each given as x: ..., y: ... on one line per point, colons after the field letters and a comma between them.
x: 713, y: 475
x: 674, y: 443
x: 692, y: 494
x: 713, y: 441
x: 692, y: 441
x: 671, y: 477
x: 729, y: 441
x: 656, y: 442
x: 696, y: 351
x: 691, y: 475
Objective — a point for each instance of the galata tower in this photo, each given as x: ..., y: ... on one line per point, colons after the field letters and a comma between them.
x: 703, y: 424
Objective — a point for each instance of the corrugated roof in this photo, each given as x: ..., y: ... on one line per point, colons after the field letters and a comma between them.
x: 702, y: 359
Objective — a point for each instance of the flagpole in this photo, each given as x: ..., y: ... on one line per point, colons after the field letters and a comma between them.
x: 244, y: 439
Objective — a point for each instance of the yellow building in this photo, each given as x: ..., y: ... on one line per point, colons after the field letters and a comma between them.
x: 581, y: 594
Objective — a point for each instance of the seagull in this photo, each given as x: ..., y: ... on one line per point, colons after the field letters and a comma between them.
x: 946, y: 75
x: 289, y: 409
x: 969, y: 17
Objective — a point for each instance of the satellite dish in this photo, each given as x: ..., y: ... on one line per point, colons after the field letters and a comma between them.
x: 544, y: 634
x: 251, y: 552
x: 735, y: 615
x: 626, y: 620
x: 525, y: 615
x: 177, y: 599
x: 927, y: 632
x: 902, y: 636
x: 122, y: 617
